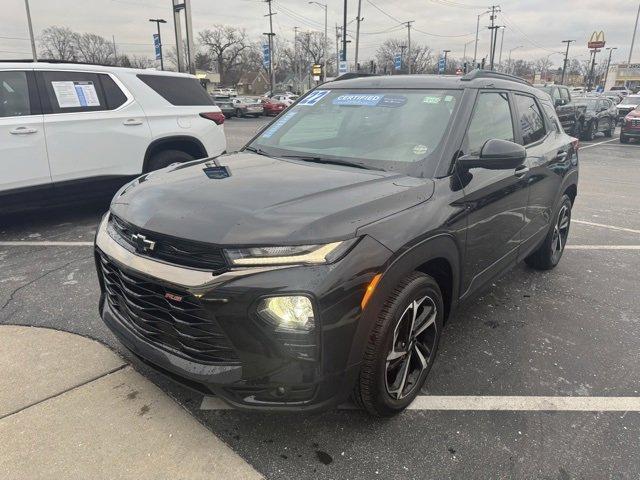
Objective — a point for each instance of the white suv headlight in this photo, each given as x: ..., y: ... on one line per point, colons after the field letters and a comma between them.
x: 289, y: 255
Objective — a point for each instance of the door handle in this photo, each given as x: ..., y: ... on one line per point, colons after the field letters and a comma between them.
x: 23, y: 131
x: 521, y: 171
x: 132, y: 121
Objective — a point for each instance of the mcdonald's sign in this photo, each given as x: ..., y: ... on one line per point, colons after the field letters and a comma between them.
x: 597, y: 40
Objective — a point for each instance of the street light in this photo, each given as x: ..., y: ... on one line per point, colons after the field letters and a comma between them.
x: 509, y: 61
x: 475, y: 50
x: 464, y: 55
x: 158, y: 21
x: 326, y: 45
x: 606, y: 75
x: 546, y: 64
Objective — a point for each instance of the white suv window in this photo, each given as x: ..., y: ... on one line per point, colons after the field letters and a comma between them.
x: 181, y: 91
x: 14, y: 94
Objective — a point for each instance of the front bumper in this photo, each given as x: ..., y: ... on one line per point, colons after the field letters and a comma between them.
x: 264, y: 371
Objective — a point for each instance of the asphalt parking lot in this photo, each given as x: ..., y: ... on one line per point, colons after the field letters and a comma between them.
x: 572, y: 333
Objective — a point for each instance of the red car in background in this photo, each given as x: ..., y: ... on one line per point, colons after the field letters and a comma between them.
x: 630, y: 126
x: 272, y: 107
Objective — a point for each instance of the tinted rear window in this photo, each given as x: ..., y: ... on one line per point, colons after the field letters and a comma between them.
x: 178, y: 90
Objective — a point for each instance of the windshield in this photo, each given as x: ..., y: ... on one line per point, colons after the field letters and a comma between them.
x: 630, y: 101
x: 383, y: 129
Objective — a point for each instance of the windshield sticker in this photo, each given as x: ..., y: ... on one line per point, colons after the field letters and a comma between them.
x: 269, y: 132
x: 314, y: 97
x: 392, y: 101
x: 359, y: 99
x: 431, y: 99
x: 420, y: 149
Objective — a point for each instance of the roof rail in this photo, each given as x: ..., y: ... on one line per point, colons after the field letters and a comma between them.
x: 52, y: 60
x: 479, y: 73
x: 350, y: 75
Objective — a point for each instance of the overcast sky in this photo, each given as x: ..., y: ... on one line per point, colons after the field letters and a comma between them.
x: 538, y: 26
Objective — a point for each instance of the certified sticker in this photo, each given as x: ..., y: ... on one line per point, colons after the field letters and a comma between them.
x: 359, y: 99
x: 420, y: 149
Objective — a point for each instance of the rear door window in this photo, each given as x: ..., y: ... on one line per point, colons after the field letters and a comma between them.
x: 180, y: 91
x: 114, y: 95
x: 530, y: 119
x: 14, y: 94
x: 69, y: 92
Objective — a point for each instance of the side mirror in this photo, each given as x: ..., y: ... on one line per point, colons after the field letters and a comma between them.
x: 496, y: 155
x: 559, y: 102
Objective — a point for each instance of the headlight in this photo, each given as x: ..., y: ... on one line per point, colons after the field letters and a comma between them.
x: 288, y: 313
x: 289, y: 255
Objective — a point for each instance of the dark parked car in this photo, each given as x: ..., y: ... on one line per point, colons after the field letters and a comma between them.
x: 630, y: 126
x: 601, y: 115
x: 226, y: 106
x: 571, y: 115
x: 323, y: 259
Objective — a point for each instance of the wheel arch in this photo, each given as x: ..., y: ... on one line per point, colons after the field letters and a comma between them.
x: 438, y: 256
x: 184, y: 143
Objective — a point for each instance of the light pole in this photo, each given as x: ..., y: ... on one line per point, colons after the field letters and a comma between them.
x: 503, y: 27
x: 445, y: 60
x: 566, y: 60
x: 464, y: 55
x: 475, y: 50
x: 606, y: 74
x: 509, y: 61
x: 326, y: 44
x: 633, y: 38
x: 31, y: 37
x: 158, y: 21
x: 546, y: 64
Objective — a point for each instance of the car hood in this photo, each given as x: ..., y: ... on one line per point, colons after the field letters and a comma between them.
x: 266, y: 201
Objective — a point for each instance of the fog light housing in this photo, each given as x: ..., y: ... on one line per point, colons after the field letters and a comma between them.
x: 288, y: 313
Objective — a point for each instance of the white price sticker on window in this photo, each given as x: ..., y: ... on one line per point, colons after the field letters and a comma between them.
x: 70, y: 94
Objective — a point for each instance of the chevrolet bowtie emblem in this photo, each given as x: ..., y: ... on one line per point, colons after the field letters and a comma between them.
x: 142, y: 244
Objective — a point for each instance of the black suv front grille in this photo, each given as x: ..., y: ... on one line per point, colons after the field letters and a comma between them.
x: 172, y: 250
x: 167, y: 318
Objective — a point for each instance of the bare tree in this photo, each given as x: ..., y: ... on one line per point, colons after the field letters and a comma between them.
x: 421, y: 56
x: 92, y: 48
x: 225, y: 44
x: 312, y: 46
x: 58, y: 43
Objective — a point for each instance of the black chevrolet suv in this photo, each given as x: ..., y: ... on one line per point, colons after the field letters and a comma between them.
x: 324, y: 258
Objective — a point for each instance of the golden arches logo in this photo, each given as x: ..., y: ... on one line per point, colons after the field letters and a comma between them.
x: 597, y: 40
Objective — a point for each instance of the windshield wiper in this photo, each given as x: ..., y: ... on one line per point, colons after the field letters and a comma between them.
x: 258, y: 151
x: 329, y: 161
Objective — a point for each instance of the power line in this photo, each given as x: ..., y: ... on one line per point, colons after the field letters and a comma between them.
x: 512, y: 25
x: 383, y: 12
x: 442, y: 36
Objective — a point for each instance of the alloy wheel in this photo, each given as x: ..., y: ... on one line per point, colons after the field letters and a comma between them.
x: 414, y: 344
x: 560, y: 232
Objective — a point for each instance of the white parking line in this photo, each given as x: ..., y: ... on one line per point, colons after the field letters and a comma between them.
x: 495, y: 403
x: 603, y: 247
x: 43, y: 243
x: 602, y: 225
x: 584, y: 147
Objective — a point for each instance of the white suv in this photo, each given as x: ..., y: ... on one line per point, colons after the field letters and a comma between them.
x: 94, y: 127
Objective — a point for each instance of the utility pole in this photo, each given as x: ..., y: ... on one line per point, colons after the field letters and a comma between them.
x: 358, y: 20
x: 494, y: 35
x: 271, y: 35
x: 566, y: 60
x: 633, y: 38
x: 115, y: 52
x: 504, y: 27
x: 409, y: 61
x: 296, y: 74
x: 606, y: 75
x: 338, y: 36
x: 344, y: 33
x: 31, y: 37
x: 402, y: 49
x: 592, y: 70
x: 158, y: 21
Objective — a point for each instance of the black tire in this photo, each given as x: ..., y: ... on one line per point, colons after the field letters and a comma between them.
x: 239, y: 113
x: 373, y: 392
x: 167, y: 157
x: 609, y: 133
x: 547, y: 256
x: 624, y: 138
x: 590, y: 131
